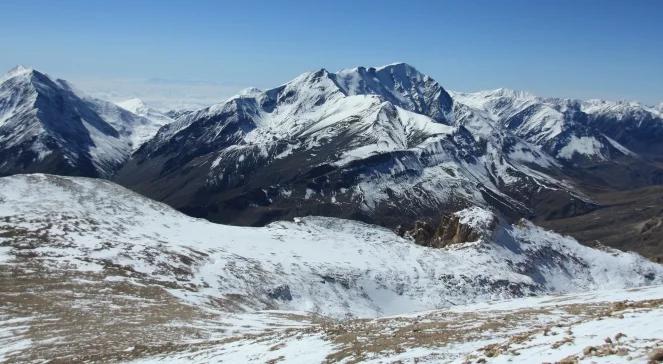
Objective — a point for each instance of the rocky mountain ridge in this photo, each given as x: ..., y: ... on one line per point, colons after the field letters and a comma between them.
x: 48, y: 126
x: 386, y: 145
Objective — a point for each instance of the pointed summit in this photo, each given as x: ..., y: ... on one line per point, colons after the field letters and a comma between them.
x: 250, y: 91
x: 48, y: 126
x: 18, y: 71
x: 156, y: 119
x: 401, y: 84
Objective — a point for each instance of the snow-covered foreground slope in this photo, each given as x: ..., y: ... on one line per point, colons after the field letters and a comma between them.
x: 616, y: 326
x: 118, y: 276
x: 76, y: 317
x: 331, y: 266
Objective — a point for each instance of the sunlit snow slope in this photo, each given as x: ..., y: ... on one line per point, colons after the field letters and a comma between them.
x: 119, y: 277
x: 332, y: 266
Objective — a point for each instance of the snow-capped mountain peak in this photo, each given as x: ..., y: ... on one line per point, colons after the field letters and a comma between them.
x: 569, y: 129
x: 17, y: 71
x: 373, y: 133
x: 250, y: 91
x: 145, y: 131
x: 402, y: 85
x: 134, y: 105
x: 47, y: 125
x: 499, y: 102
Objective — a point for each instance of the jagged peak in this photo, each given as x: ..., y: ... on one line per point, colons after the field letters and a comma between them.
x: 31, y: 77
x: 401, y: 84
x: 308, y: 76
x: 484, y: 99
x: 615, y: 102
x: 18, y: 71
x: 402, y: 68
x: 397, y: 69
x: 319, y: 80
x: 397, y: 65
x: 34, y: 78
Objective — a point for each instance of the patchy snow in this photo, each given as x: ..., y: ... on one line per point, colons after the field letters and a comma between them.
x: 618, y: 146
x: 304, y: 349
x: 12, y: 335
x: 336, y: 267
x: 393, y: 125
x: 476, y: 217
x: 617, y: 326
x: 116, y: 250
x: 586, y: 146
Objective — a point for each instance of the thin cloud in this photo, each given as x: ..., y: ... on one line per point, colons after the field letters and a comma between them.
x: 163, y: 94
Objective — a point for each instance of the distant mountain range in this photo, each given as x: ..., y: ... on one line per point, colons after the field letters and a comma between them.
x: 386, y: 145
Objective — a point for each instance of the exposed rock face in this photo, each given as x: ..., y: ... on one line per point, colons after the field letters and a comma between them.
x: 281, y: 292
x: 456, y: 228
x: 452, y: 231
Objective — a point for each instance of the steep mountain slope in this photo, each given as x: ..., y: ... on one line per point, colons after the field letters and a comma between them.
x: 87, y: 254
x: 610, y: 150
x: 383, y: 145
x: 380, y: 145
x: 601, y: 143
x: 558, y: 124
x: 47, y: 126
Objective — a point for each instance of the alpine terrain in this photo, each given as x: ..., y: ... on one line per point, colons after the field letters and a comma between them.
x: 391, y: 146
x: 79, y: 255
x: 47, y: 126
x: 363, y: 215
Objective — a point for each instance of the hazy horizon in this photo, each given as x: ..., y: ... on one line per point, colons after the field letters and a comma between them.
x: 202, y: 52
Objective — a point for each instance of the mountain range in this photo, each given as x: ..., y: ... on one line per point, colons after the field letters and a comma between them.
x: 388, y: 146
x: 364, y: 215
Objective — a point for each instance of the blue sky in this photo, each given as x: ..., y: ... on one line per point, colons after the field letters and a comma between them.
x: 582, y: 48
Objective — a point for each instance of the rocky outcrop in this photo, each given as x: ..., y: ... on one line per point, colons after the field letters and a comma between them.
x: 467, y: 225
